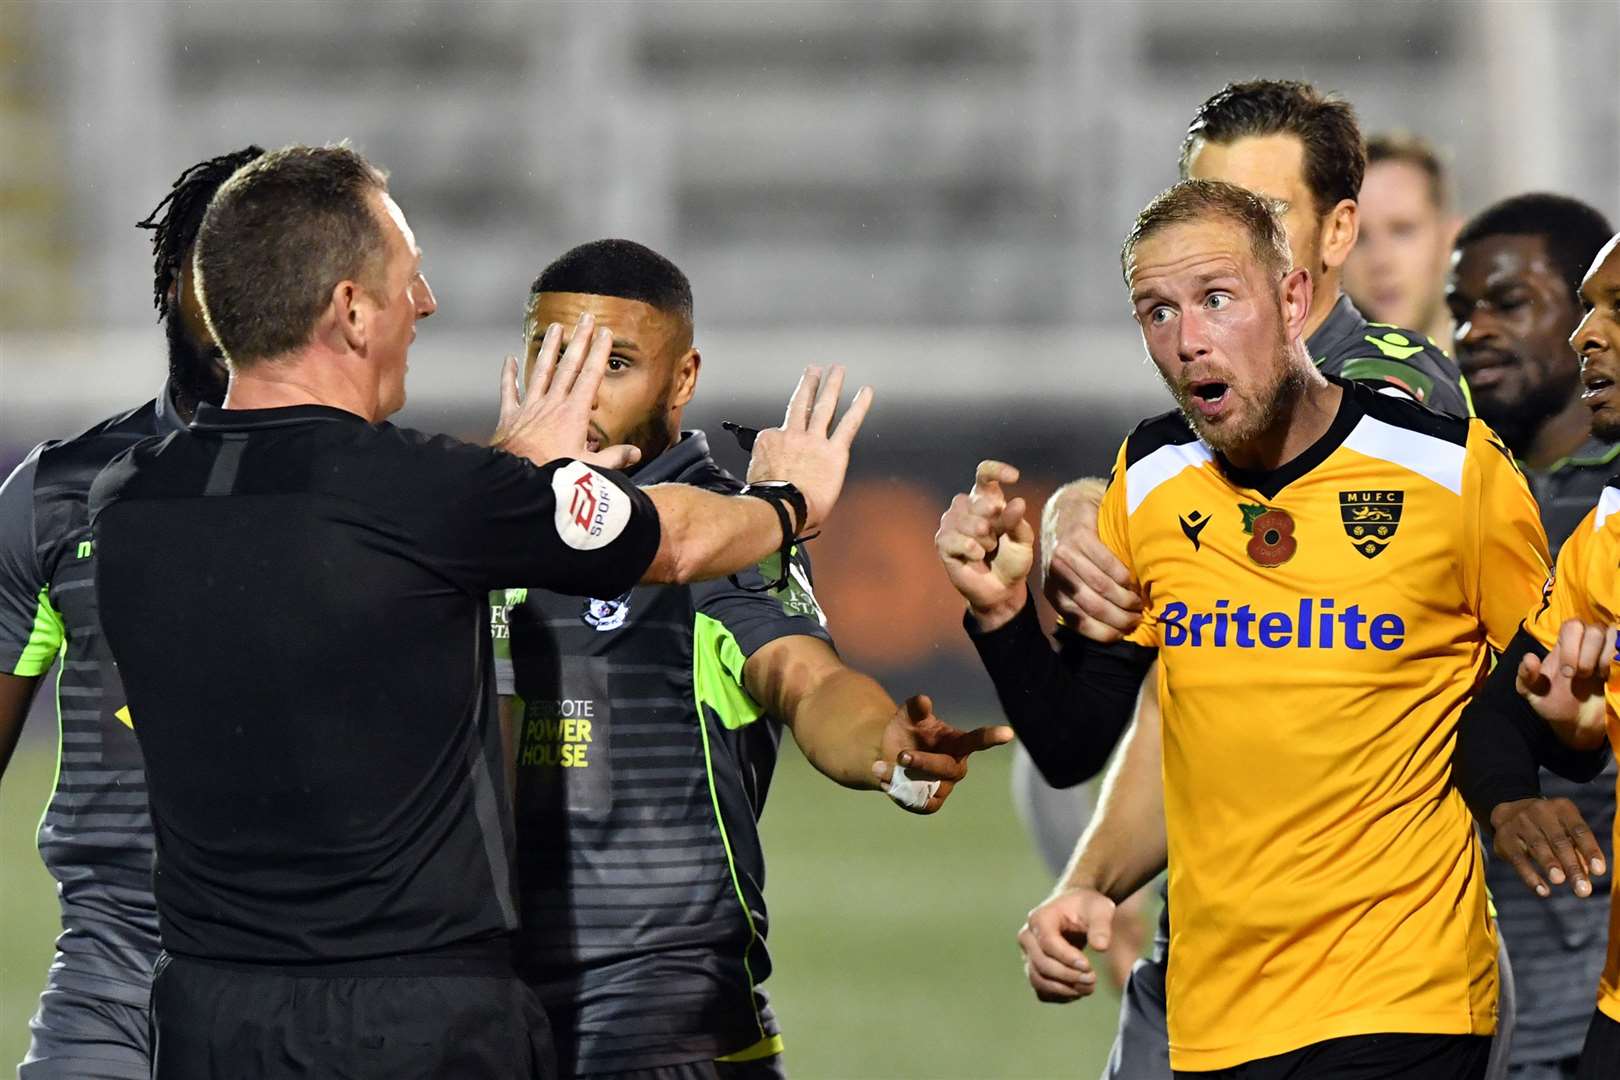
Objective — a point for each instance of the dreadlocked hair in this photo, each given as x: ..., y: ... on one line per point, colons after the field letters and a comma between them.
x: 175, y: 231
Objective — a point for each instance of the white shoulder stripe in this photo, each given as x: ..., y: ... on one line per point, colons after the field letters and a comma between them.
x: 1438, y: 459
x: 1159, y: 466
x: 1608, y: 503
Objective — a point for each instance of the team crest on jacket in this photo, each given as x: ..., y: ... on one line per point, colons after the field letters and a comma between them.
x: 605, y: 615
x: 1370, y: 518
x: 1271, y: 534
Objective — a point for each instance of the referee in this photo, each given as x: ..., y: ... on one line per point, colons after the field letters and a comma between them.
x: 294, y: 591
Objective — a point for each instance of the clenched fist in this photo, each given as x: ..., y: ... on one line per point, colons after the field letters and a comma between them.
x: 988, y: 546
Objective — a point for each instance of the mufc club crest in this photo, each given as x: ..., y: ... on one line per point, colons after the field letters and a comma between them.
x: 1371, y: 518
x: 605, y: 615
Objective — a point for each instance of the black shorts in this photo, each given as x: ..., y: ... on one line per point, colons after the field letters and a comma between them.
x: 1368, y: 1057
x: 1600, y: 1058
x: 225, y: 1022
x: 766, y: 1068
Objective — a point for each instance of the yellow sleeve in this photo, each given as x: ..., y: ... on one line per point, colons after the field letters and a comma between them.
x: 1568, y: 593
x: 1113, y: 529
x: 1505, y: 560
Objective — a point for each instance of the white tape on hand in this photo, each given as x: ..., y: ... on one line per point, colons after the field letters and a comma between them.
x: 909, y: 793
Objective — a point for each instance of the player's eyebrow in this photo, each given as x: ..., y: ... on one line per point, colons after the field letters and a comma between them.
x: 621, y: 344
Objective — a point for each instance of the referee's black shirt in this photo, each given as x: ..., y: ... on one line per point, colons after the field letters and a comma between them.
x: 296, y: 600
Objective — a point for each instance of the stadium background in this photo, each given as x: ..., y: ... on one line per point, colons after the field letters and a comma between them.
x: 931, y: 193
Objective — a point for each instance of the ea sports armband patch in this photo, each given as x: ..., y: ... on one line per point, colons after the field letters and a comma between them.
x: 591, y: 510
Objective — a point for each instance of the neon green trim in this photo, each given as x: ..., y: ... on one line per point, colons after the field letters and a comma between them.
x: 1568, y: 460
x: 769, y: 1046
x: 44, y: 641
x: 1468, y: 394
x: 56, y: 781
x: 717, y: 674
x: 1395, y: 345
x: 704, y: 638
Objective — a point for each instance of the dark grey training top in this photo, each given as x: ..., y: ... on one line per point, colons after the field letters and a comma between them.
x: 643, y: 765
x: 95, y: 837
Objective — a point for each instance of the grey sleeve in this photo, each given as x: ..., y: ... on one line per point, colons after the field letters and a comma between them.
x: 30, y: 630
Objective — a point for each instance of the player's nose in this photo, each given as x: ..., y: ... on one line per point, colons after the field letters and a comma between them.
x: 1589, y: 338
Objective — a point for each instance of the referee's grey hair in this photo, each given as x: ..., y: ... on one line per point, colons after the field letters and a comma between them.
x: 1197, y: 200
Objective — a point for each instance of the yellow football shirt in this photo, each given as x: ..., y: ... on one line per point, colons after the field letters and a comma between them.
x: 1319, y: 629
x: 1584, y: 588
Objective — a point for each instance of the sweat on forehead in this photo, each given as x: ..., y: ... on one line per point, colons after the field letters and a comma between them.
x: 1193, y: 201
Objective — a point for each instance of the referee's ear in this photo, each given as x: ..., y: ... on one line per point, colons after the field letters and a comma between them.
x: 349, y: 314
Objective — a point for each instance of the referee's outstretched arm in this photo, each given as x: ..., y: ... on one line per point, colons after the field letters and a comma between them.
x: 796, y: 472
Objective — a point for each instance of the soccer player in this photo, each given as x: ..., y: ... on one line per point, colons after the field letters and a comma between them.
x: 1558, y: 670
x: 96, y: 838
x: 1514, y: 291
x: 1396, y: 273
x: 332, y: 870
x: 1328, y: 570
x: 1301, y: 148
x: 647, y: 729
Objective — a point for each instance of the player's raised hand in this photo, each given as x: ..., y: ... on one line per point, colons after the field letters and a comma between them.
x: 1054, y: 939
x: 1083, y: 580
x: 808, y: 451
x: 1535, y: 835
x: 1567, y: 687
x: 987, y: 545
x: 924, y: 757
x: 552, y: 420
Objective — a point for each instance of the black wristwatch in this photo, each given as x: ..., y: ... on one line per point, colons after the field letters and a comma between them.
x: 782, y: 496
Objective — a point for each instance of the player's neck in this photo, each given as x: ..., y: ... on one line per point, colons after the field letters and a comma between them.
x: 1299, y: 425
x: 1558, y: 437
x: 1324, y: 298
x: 301, y: 379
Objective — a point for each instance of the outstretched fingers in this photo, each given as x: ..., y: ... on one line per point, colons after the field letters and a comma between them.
x: 844, y: 434
x: 798, y: 410
x: 573, y: 357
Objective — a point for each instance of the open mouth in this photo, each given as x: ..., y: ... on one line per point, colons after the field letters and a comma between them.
x: 1595, y: 384
x: 1209, y: 397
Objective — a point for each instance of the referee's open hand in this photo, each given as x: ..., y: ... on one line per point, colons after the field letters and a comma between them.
x: 807, y: 451
x: 552, y: 419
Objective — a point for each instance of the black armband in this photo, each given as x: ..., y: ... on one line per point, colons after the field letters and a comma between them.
x: 1502, y: 743
x: 1069, y: 707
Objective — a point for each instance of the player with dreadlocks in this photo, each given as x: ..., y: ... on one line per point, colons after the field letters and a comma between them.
x: 96, y: 837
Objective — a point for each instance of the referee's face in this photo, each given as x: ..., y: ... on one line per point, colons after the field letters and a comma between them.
x: 406, y: 297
